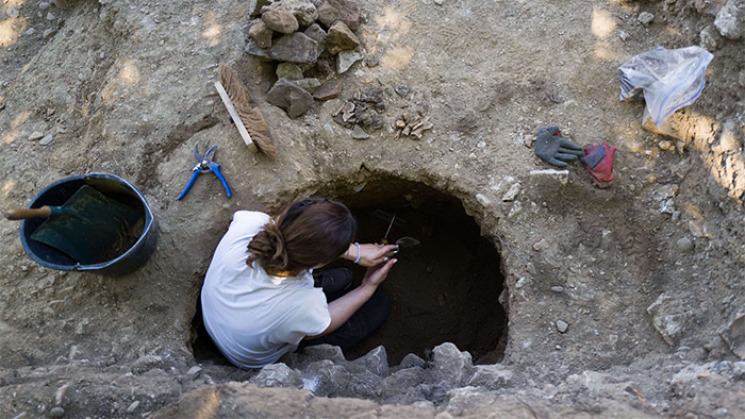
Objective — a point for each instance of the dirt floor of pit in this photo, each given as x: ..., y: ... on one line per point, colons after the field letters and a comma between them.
x: 621, y: 300
x: 443, y: 290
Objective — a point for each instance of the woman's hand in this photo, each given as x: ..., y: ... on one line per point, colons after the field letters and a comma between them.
x: 371, y: 254
x: 376, y: 275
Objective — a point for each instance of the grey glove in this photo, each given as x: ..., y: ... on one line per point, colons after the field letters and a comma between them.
x: 555, y: 149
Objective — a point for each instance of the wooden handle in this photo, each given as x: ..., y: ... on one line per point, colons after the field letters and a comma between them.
x: 24, y: 213
x: 236, y: 118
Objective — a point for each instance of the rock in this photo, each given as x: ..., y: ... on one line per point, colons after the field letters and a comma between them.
x: 46, y: 140
x: 734, y: 335
x: 281, y: 21
x: 541, y: 245
x: 449, y: 363
x: 663, y: 193
x: 347, y: 11
x: 325, y: 378
x: 412, y: 360
x: 146, y: 363
x: 375, y: 361
x: 597, y: 384
x: 295, y: 100
x: 132, y: 407
x: 277, y: 375
x: 328, y: 90
x: 372, y: 60
x: 562, y: 326
x: 557, y: 289
x: 645, y: 18
x: 295, y: 48
x: 255, y: 6
x: 194, y: 371
x: 346, y: 59
x: 36, y: 135
x: 730, y: 19
x: 402, y: 90
x: 511, y: 193
x: 253, y: 48
x: 289, y: 71
x: 668, y: 207
x: 340, y: 38
x: 44, y: 5
x: 85, y: 74
x: 666, y: 145
x: 57, y: 412
x: 358, y: 133
x: 623, y: 35
x: 490, y: 376
x: 709, y: 38
x: 668, y: 325
x: 439, y: 2
x: 685, y: 244
x: 363, y: 384
x: 517, y: 209
x: 316, y: 353
x: 261, y: 33
x: 483, y: 200
x: 403, y: 386
x: 316, y: 33
x: 304, y: 11
x: 309, y: 84
x: 462, y: 399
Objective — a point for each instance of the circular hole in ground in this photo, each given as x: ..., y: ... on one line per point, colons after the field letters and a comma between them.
x: 445, y: 289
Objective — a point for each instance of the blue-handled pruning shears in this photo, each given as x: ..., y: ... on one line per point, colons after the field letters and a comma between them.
x: 205, y: 164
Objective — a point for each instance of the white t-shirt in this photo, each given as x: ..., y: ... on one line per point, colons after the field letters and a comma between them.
x: 253, y: 317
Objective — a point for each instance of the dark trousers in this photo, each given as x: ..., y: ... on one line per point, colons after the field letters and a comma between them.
x: 360, y: 325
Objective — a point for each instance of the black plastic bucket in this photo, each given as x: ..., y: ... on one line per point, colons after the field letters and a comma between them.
x: 113, y: 187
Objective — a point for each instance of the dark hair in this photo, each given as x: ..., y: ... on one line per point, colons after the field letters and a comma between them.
x: 308, y: 233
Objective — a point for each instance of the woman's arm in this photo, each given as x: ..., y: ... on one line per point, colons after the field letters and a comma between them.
x: 343, y: 307
x: 370, y: 254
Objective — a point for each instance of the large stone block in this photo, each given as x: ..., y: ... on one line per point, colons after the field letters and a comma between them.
x: 730, y: 20
x: 296, y: 48
x: 277, y: 375
x: 290, y: 97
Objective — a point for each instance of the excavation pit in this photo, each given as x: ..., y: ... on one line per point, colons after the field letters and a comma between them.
x: 445, y: 289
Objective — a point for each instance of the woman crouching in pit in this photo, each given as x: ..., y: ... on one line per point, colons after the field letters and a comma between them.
x: 259, y: 299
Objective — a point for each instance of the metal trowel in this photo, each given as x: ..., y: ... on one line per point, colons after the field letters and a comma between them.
x: 403, y: 243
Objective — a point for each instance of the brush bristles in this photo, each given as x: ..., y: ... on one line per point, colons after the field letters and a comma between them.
x: 251, y: 117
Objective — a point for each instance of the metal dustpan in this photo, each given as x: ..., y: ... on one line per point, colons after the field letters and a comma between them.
x: 88, y: 226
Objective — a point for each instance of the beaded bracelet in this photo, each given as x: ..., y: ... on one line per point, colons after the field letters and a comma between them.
x: 359, y: 252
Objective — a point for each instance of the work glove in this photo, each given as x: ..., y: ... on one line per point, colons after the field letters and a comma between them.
x: 599, y: 161
x: 555, y: 149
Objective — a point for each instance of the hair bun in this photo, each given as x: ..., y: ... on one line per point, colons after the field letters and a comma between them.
x: 268, y: 248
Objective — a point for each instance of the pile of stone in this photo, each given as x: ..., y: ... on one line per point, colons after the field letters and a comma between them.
x: 306, y: 37
x: 324, y: 371
x: 412, y: 126
x: 362, y: 113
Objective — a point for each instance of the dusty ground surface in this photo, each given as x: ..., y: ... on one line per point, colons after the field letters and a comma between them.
x: 644, y: 279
